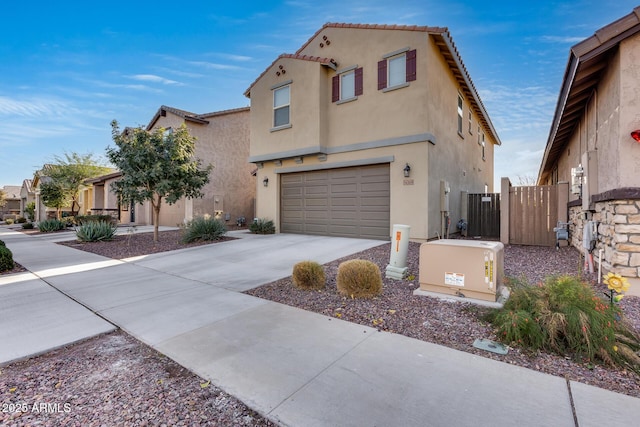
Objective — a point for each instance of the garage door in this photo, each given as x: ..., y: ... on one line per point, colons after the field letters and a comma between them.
x: 349, y: 202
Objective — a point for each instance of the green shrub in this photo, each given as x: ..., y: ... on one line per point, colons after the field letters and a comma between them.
x: 21, y: 220
x: 262, y: 226
x: 565, y: 316
x: 27, y: 226
x: 8, y: 221
x: 30, y: 210
x: 6, y: 258
x: 359, y: 278
x: 96, y: 231
x: 308, y: 275
x: 81, y: 219
x: 202, y: 228
x: 2, y: 243
x: 49, y: 225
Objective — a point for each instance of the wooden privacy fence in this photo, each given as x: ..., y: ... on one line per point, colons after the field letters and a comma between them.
x: 533, y: 212
x: 483, y: 212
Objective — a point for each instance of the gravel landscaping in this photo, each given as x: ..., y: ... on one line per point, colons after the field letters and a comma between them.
x: 457, y: 324
x: 116, y: 380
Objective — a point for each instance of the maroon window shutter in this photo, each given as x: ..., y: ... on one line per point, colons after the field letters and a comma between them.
x: 335, y: 88
x: 358, y: 79
x: 382, y: 74
x: 411, y: 65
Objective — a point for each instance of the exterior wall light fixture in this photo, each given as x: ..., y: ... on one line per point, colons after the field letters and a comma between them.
x: 636, y: 135
x: 407, y: 171
x: 265, y: 182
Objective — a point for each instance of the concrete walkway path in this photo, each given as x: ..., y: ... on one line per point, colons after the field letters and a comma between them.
x: 296, y: 367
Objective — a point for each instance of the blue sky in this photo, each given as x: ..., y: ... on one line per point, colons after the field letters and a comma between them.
x: 68, y: 68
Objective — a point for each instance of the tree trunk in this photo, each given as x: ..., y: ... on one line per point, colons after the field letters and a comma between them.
x: 156, y: 217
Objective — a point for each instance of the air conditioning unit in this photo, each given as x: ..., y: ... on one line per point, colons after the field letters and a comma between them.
x: 464, y: 268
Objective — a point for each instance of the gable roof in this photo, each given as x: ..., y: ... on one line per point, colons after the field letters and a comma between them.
x: 12, y: 192
x: 189, y: 116
x: 324, y: 61
x: 26, y: 184
x: 587, y: 61
x: 443, y: 41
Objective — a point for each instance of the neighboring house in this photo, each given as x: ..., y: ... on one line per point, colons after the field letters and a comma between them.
x: 44, y: 212
x: 594, y: 145
x: 27, y: 195
x: 367, y: 126
x: 222, y: 139
x: 11, y: 207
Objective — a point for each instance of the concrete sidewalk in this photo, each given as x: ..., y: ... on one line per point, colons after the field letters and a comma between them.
x: 296, y: 367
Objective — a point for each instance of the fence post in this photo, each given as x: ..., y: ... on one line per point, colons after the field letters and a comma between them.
x: 505, y: 186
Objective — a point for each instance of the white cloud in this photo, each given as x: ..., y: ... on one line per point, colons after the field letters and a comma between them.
x: 561, y: 39
x: 35, y: 107
x: 154, y: 79
x: 213, y: 66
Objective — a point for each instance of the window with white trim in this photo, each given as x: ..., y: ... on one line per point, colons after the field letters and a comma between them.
x: 460, y: 115
x: 347, y: 84
x: 397, y: 69
x: 470, y: 128
x: 281, y: 106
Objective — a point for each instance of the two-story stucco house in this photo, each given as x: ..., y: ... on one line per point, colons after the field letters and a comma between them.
x: 367, y: 126
x: 222, y: 139
x: 594, y: 145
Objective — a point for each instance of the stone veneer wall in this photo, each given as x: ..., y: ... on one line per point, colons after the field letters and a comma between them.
x: 618, y: 233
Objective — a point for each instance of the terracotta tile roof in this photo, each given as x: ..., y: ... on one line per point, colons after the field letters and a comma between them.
x: 323, y: 61
x: 445, y: 44
x: 424, y: 29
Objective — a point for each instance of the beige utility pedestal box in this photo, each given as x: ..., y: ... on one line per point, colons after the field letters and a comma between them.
x: 464, y: 268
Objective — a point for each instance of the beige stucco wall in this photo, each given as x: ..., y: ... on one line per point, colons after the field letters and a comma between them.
x: 416, y: 124
x: 408, y: 204
x: 223, y: 143
x: 629, y: 164
x: 612, y: 113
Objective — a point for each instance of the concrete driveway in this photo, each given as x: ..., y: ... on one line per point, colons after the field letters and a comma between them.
x: 296, y: 367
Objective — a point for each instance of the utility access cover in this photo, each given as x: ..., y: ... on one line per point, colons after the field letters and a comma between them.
x: 491, y: 346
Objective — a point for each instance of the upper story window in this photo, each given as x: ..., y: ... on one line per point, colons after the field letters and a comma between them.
x: 281, y: 106
x: 470, y: 123
x: 397, y: 69
x: 483, y: 153
x: 460, y: 114
x: 347, y: 85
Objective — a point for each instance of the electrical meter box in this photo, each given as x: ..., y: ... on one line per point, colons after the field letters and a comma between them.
x: 463, y: 268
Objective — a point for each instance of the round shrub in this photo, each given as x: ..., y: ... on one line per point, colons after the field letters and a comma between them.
x: 6, y: 259
x: 27, y: 226
x: 202, y: 228
x: 359, y: 278
x: 8, y: 221
x: 49, y: 225
x: 21, y: 220
x: 2, y: 243
x: 308, y: 275
x: 96, y: 231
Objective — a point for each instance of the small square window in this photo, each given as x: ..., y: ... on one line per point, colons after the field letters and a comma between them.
x: 347, y: 85
x: 397, y: 69
x: 281, y: 99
